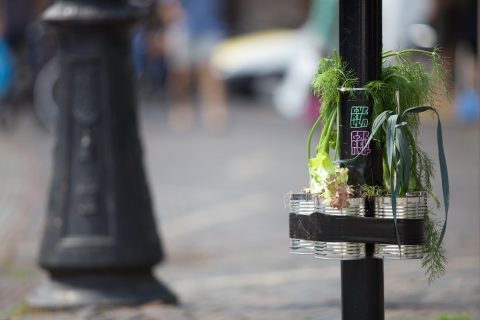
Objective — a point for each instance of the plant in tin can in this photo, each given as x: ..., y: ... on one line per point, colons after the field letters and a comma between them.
x: 405, y: 90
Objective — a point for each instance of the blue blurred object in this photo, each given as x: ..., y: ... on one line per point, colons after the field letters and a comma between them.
x: 6, y: 69
x: 468, y: 105
x: 139, y: 49
x: 205, y: 17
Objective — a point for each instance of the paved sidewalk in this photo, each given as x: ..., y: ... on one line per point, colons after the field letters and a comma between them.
x: 219, y: 202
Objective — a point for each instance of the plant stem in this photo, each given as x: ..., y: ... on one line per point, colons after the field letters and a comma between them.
x: 399, y: 53
x: 309, y: 140
x: 324, y: 139
x: 337, y: 142
x: 397, y: 98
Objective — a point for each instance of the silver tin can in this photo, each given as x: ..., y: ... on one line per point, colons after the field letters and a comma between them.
x: 301, y: 203
x: 340, y: 250
x: 412, y: 206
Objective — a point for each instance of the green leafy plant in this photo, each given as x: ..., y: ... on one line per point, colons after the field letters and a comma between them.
x: 372, y: 191
x: 401, y: 151
x: 407, y: 168
x: 405, y: 90
x: 330, y: 181
x: 326, y: 178
x: 406, y: 83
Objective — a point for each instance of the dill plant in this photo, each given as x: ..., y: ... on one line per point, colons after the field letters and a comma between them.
x: 407, y: 83
x: 434, y: 256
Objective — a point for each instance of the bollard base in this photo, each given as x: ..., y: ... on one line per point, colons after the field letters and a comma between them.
x: 76, y: 290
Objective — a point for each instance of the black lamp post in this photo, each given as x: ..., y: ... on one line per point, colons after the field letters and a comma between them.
x: 362, y: 279
x: 100, y: 241
x: 361, y: 48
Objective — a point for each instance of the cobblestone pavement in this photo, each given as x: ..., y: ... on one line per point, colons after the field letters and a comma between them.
x: 220, y: 206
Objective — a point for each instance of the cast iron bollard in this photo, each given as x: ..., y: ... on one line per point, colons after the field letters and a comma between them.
x: 100, y: 241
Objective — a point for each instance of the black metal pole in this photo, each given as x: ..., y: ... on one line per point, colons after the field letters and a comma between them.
x: 100, y: 241
x: 360, y: 46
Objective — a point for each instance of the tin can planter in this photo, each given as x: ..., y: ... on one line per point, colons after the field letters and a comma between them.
x: 341, y: 250
x: 303, y: 204
x: 412, y: 206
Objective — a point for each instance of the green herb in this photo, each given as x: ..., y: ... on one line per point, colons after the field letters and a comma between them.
x: 401, y: 74
x: 407, y: 83
x: 327, y: 179
x: 372, y: 191
x: 434, y: 258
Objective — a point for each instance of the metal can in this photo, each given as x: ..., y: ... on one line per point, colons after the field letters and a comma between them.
x: 303, y: 204
x: 340, y: 250
x: 412, y: 206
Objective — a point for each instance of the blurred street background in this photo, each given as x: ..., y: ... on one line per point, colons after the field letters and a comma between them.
x: 224, y: 122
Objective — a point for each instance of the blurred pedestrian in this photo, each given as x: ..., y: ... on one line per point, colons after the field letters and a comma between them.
x: 148, y: 47
x: 456, y: 22
x: 22, y: 35
x: 193, y: 29
x: 6, y: 65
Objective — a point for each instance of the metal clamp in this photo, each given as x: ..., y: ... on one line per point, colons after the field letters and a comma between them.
x: 329, y: 228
